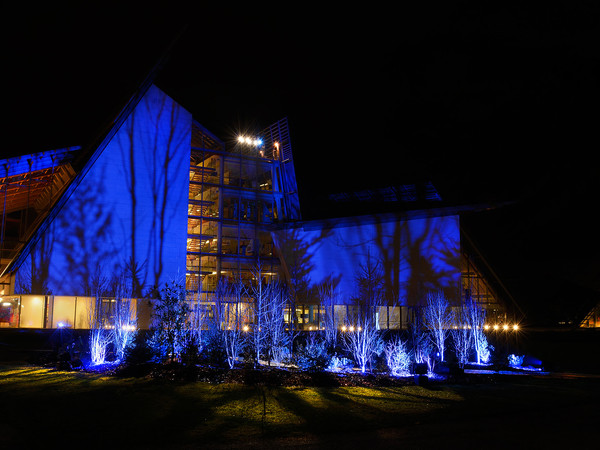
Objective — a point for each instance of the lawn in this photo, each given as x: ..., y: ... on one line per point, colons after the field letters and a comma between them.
x: 86, y: 410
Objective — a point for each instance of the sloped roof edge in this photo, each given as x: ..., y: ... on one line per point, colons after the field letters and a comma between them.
x: 352, y: 220
x: 86, y: 159
x: 90, y: 153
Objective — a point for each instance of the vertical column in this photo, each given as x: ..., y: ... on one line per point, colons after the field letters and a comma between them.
x: 4, y: 215
x: 220, y: 215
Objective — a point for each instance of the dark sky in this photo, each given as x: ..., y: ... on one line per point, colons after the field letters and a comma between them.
x: 492, y: 104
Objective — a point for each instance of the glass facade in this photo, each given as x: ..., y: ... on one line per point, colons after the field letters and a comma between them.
x: 55, y: 311
x: 477, y: 287
x: 235, y: 196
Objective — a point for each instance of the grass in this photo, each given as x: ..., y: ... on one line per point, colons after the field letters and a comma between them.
x: 76, y: 409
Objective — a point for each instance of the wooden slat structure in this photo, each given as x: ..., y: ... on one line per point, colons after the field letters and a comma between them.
x: 29, y: 187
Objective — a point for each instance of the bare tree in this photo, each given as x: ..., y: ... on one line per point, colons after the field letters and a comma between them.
x: 363, y: 338
x: 419, y: 337
x: 259, y: 294
x: 276, y: 337
x: 123, y: 321
x: 269, y: 337
x: 328, y: 298
x: 98, y: 314
x: 461, y: 337
x: 438, y: 320
x: 199, y: 316
x: 230, y: 318
x: 476, y: 316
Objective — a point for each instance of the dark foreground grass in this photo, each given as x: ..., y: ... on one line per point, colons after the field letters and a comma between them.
x: 42, y: 407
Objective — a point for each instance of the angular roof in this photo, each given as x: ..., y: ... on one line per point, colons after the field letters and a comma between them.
x: 79, y: 163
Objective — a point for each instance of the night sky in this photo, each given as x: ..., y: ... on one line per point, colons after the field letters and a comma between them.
x: 493, y: 106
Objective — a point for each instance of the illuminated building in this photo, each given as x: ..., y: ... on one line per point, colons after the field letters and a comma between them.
x: 592, y: 318
x: 163, y: 199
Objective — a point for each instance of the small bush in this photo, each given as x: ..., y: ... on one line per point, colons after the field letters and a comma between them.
x: 140, y: 352
x: 515, y: 360
x: 281, y: 354
x: 213, y: 347
x: 338, y: 363
x: 157, y: 346
x: 313, y: 355
x: 190, y: 350
x: 397, y: 357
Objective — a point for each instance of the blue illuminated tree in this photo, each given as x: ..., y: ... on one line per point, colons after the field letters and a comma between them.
x: 98, y: 315
x: 397, y: 356
x: 259, y: 292
x: 362, y: 337
x: 268, y: 337
x: 419, y: 339
x: 476, y: 316
x: 462, y: 336
x: 277, y: 339
x: 438, y: 319
x: 328, y: 299
x: 235, y: 336
x: 225, y: 329
x: 123, y: 320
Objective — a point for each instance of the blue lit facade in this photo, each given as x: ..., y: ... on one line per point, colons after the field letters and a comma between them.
x: 126, y: 207
x: 415, y: 253
x: 162, y: 199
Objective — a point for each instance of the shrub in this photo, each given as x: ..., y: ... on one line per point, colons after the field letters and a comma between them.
x: 139, y: 352
x: 515, y: 360
x: 213, y: 347
x: 313, y: 355
x: 397, y: 357
x: 280, y: 354
x: 337, y: 363
x: 190, y: 350
x: 157, y: 346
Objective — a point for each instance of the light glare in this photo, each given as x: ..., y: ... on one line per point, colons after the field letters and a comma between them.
x: 256, y: 142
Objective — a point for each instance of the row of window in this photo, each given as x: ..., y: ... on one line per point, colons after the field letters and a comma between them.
x: 246, y: 173
x: 53, y: 311
x: 223, y: 221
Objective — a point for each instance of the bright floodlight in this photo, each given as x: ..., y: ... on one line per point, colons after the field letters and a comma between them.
x: 256, y: 142
x: 515, y: 327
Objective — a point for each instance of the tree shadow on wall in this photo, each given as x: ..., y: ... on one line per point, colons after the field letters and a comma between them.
x: 32, y: 277
x: 153, y: 165
x: 297, y: 266
x: 428, y: 253
x: 81, y: 234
